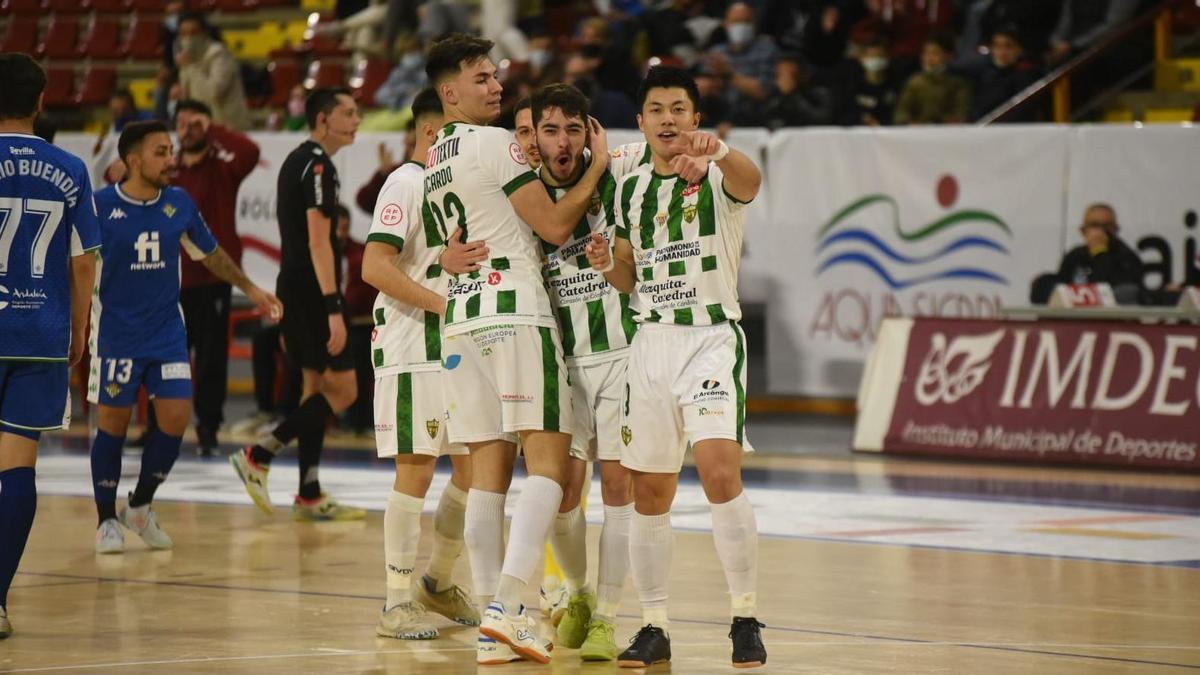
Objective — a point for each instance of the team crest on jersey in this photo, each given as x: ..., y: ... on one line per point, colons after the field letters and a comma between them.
x: 594, y: 206
x: 113, y: 389
x: 626, y: 434
x: 661, y: 219
x: 432, y: 426
x: 169, y: 210
x: 689, y: 213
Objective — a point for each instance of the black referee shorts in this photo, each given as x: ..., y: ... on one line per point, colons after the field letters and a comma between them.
x: 305, y: 330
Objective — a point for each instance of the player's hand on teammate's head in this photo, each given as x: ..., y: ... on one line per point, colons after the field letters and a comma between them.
x: 459, y: 257
x: 691, y: 169
x: 597, y: 140
x: 598, y: 253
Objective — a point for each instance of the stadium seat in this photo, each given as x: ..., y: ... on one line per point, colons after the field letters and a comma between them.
x: 146, y: 6
x: 69, y: 6
x: 30, y: 7
x: 369, y: 74
x: 285, y: 74
x: 325, y: 73
x: 61, y: 38
x: 110, y: 6
x: 21, y: 35
x: 60, y: 87
x: 144, y: 38
x: 98, y: 84
x: 236, y: 6
x: 103, y: 39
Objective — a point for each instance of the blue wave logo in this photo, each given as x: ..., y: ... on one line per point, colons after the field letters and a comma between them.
x: 843, y: 243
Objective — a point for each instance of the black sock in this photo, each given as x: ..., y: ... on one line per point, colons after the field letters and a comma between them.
x: 315, y: 408
x: 311, y: 443
x: 261, y: 456
x: 105, y: 511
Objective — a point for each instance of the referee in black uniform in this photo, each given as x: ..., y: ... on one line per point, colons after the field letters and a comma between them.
x: 314, y: 325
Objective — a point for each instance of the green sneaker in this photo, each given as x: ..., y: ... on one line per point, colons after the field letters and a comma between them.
x: 600, y: 644
x: 574, y: 626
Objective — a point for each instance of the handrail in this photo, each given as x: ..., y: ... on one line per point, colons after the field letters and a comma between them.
x: 1059, y: 79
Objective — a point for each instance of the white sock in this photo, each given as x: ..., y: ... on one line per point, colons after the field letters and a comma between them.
x: 401, y: 535
x: 614, y: 561
x: 483, y: 532
x: 650, y: 546
x: 735, y: 533
x: 531, y: 521
x: 447, y: 538
x: 569, y: 540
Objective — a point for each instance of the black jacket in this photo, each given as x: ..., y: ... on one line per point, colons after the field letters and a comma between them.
x: 1119, y: 265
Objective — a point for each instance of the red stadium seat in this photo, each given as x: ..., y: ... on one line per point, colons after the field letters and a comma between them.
x: 285, y: 74
x: 61, y: 39
x: 236, y: 6
x: 31, y: 7
x: 325, y: 74
x: 103, y: 40
x: 110, y: 6
x: 60, y: 87
x: 144, y: 38
x: 369, y: 74
x: 69, y: 6
x: 21, y: 35
x: 98, y: 84
x: 147, y: 6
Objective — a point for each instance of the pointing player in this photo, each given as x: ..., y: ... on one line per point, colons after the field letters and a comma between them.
x: 501, y: 352
x: 138, y: 336
x: 401, y: 260
x: 48, y: 237
x: 677, y: 251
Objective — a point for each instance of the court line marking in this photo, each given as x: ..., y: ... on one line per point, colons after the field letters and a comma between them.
x: 1013, y: 647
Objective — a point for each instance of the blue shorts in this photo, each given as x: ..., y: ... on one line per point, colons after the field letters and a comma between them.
x: 115, y: 381
x: 34, y: 397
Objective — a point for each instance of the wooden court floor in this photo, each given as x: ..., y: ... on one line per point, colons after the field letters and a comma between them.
x: 241, y: 593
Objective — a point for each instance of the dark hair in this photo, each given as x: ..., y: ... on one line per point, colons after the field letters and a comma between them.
x: 135, y: 132
x: 667, y: 77
x: 944, y: 40
x: 193, y: 15
x: 22, y: 80
x: 446, y: 56
x: 322, y: 100
x: 45, y: 128
x: 194, y: 106
x: 566, y: 98
x: 525, y: 102
x: 426, y: 102
x: 124, y: 93
x: 1010, y: 31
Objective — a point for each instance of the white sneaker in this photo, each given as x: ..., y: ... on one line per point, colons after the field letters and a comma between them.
x: 254, y: 478
x: 518, y: 632
x: 144, y: 523
x: 252, y: 424
x: 489, y: 652
x: 109, y: 538
x: 406, y: 621
x: 5, y: 624
x: 553, y: 598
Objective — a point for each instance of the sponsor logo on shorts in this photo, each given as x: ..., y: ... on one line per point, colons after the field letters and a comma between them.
x: 113, y: 389
x: 432, y: 426
x: 176, y: 371
x: 494, y: 278
x: 710, y: 412
x: 487, y: 351
x: 516, y: 398
x: 383, y: 428
x: 709, y: 385
x: 711, y: 390
x: 452, y: 361
x: 626, y: 434
x: 374, y: 334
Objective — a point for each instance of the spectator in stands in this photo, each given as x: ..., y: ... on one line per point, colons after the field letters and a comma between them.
x: 209, y: 73
x: 713, y: 108
x: 934, y: 95
x: 545, y: 66
x: 359, y: 298
x: 293, y: 112
x: 498, y: 23
x: 901, y: 22
x: 368, y: 194
x: 406, y: 79
x: 875, y: 87
x: 613, y: 108
x: 1082, y: 23
x: 746, y: 61
x: 213, y: 162
x: 434, y: 20
x: 1102, y: 259
x: 1033, y: 20
x: 1005, y: 75
x: 794, y: 99
x: 681, y: 29
x: 107, y: 167
x: 609, y: 59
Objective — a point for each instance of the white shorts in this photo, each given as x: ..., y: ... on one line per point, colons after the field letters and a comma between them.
x: 596, y: 393
x: 410, y: 416
x: 683, y: 384
x: 503, y: 380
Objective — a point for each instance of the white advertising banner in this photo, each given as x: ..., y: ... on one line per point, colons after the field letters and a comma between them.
x: 899, y: 222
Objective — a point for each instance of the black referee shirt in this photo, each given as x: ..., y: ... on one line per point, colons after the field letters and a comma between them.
x: 307, y: 180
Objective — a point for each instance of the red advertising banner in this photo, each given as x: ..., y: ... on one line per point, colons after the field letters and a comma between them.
x: 1059, y: 391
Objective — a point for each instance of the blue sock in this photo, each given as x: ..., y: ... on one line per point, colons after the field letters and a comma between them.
x: 157, y: 459
x: 18, y: 503
x: 106, y: 472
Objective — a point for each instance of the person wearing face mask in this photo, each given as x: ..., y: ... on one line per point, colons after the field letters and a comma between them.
x: 209, y: 73
x: 1004, y: 75
x: 934, y: 95
x: 874, y: 88
x: 745, y: 61
x: 406, y: 79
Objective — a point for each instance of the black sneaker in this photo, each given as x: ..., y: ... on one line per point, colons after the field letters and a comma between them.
x: 650, y: 646
x: 206, y: 443
x: 748, y: 649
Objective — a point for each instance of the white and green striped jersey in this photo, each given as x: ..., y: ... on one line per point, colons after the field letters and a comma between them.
x: 594, y: 317
x: 687, y: 244
x: 469, y: 174
x: 407, y: 338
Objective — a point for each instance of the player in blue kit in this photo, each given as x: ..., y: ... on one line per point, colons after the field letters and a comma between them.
x: 48, y: 234
x: 138, y: 336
